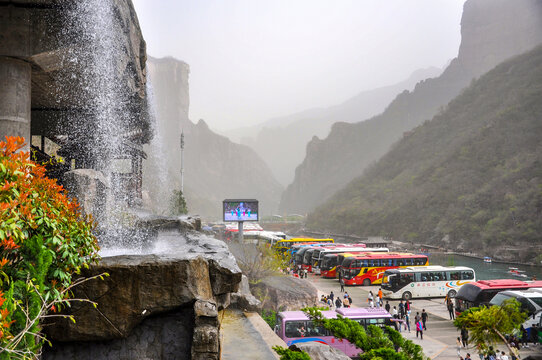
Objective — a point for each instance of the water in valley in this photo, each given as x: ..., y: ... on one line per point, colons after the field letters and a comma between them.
x: 486, y: 271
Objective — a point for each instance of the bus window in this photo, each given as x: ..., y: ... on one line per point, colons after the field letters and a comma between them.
x: 389, y: 262
x: 408, y: 262
x: 380, y: 322
x: 315, y: 330
x: 426, y: 276
x: 363, y: 263
x: 467, y: 275
x: 292, y: 329
x: 400, y: 262
x: 455, y: 275
x: 406, y: 279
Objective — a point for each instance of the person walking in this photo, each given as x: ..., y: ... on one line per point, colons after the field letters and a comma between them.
x: 465, y: 337
x: 338, y: 302
x: 387, y: 307
x: 407, y: 305
x: 407, y: 320
x: 370, y: 299
x: 419, y: 329
x: 341, y: 281
x: 380, y: 296
x: 394, y: 313
x: 424, y: 319
x: 458, y: 346
x: 417, y: 317
x: 468, y: 357
x: 401, y: 309
x: 450, y: 306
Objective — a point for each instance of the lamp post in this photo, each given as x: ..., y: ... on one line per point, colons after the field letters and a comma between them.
x: 182, y: 161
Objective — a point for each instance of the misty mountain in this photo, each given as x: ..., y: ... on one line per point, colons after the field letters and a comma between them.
x: 214, y: 167
x: 471, y: 178
x: 281, y: 141
x: 492, y: 31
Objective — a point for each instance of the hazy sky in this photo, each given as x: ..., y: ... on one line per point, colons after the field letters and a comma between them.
x: 251, y: 60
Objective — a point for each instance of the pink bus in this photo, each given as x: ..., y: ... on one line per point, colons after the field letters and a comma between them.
x: 295, y: 327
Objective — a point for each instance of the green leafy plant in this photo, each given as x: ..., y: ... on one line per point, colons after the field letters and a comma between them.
x: 270, y: 317
x: 44, y: 241
x: 178, y: 203
x: 490, y: 325
x: 288, y: 354
x: 375, y: 342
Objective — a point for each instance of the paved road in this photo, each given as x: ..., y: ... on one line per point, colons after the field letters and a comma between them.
x: 439, y: 339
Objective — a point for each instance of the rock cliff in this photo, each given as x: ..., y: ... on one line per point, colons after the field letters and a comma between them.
x: 166, y: 302
x: 492, y: 31
x: 215, y: 168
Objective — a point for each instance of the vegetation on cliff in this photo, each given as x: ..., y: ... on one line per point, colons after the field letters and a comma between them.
x: 473, y: 173
x: 44, y: 241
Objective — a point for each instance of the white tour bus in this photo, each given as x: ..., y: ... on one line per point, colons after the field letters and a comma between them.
x: 531, y: 303
x: 425, y: 281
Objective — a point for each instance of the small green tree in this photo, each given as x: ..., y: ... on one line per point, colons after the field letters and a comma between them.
x: 178, y: 203
x: 490, y: 325
x: 287, y: 354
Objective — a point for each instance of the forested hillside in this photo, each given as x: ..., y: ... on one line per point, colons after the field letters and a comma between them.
x: 491, y: 32
x: 471, y: 178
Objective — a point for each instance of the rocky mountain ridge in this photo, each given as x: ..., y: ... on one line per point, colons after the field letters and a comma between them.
x: 281, y: 141
x: 490, y: 33
x: 471, y: 178
x: 215, y: 168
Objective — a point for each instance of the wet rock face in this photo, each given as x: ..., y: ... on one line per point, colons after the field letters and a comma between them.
x: 163, y: 336
x: 282, y: 293
x: 188, y: 276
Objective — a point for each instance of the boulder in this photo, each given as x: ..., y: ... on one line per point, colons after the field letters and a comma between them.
x: 319, y: 351
x: 244, y: 300
x: 188, y: 276
x: 282, y: 293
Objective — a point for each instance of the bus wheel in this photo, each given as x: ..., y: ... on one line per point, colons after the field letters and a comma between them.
x: 366, y: 282
x: 407, y: 295
x: 452, y: 293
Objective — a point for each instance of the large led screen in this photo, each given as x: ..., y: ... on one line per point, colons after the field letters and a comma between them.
x: 240, y: 210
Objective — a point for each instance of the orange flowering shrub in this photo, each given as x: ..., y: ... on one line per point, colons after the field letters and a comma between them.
x: 44, y: 240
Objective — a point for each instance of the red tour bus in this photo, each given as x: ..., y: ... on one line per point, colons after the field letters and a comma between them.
x: 332, y: 263
x: 481, y: 292
x: 369, y: 268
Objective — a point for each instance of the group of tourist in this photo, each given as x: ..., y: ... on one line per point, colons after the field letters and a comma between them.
x: 332, y: 301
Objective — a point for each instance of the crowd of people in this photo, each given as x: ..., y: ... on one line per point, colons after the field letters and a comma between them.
x: 335, y: 301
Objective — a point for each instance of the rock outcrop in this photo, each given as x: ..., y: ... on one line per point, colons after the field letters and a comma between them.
x: 186, y: 279
x: 214, y: 167
x: 244, y: 300
x: 319, y: 351
x: 491, y: 32
x: 282, y: 293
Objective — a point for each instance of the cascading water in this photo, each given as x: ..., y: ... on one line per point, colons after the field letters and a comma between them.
x: 156, y: 181
x: 108, y: 122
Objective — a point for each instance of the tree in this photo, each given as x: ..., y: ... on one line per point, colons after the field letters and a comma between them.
x: 178, y: 203
x: 287, y: 354
x: 44, y: 241
x: 490, y: 325
x: 376, y: 343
